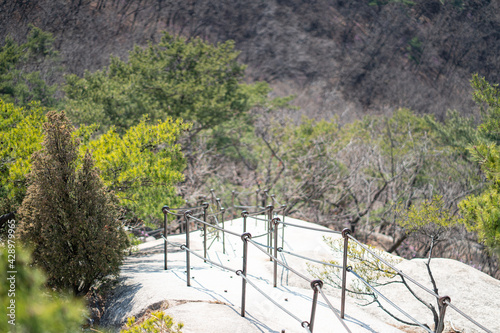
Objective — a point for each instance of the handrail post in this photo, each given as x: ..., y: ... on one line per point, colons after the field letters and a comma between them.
x: 443, y: 303
x: 264, y: 198
x: 283, y: 227
x: 276, y: 222
x: 233, y: 194
x: 212, y: 196
x: 244, y: 214
x: 188, y: 259
x: 205, y: 207
x: 219, y: 206
x: 244, y: 238
x: 222, y: 210
x: 315, y: 284
x: 345, y: 234
x: 269, y: 228
x: 165, y: 226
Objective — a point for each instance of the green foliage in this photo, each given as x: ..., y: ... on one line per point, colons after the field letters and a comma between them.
x: 20, y: 136
x: 456, y: 131
x: 371, y: 269
x: 25, y: 68
x: 37, y: 310
x: 415, y: 50
x: 482, y: 212
x: 158, y: 322
x: 143, y: 165
x: 430, y: 218
x: 182, y: 78
x: 487, y: 96
x: 68, y: 216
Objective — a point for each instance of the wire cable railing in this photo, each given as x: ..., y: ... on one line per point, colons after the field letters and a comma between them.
x: 302, y: 323
x: 272, y: 227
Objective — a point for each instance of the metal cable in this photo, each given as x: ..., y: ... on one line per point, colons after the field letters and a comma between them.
x: 261, y: 235
x: 283, y: 269
x: 185, y: 248
x: 186, y: 208
x: 278, y: 261
x: 169, y: 242
x: 266, y: 246
x: 260, y: 212
x: 274, y: 199
x: 309, y: 259
x: 394, y: 268
x: 240, y: 273
x: 467, y: 317
x: 259, y: 219
x: 247, y: 192
x: 215, y: 214
x: 175, y: 214
x: 215, y: 226
x: 244, y: 207
x: 389, y: 301
x: 333, y: 309
x: 309, y: 228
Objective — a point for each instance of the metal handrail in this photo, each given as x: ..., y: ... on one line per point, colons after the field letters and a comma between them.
x: 310, y: 228
x: 280, y: 262
x: 467, y: 317
x: 240, y: 273
x: 443, y: 300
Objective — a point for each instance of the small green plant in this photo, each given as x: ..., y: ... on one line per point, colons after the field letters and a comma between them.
x: 157, y: 322
x: 27, y: 305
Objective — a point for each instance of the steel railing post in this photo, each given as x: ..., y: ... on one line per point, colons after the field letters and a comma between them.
x: 233, y: 194
x: 165, y: 233
x: 264, y: 198
x: 188, y: 259
x: 212, y: 196
x: 244, y: 238
x: 443, y: 303
x: 283, y: 227
x: 257, y: 199
x: 244, y: 214
x: 205, y: 207
x: 222, y: 210
x: 276, y: 222
x: 315, y: 284
x: 345, y: 234
x: 269, y: 229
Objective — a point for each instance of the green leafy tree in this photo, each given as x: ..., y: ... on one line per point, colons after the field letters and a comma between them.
x: 429, y: 218
x: 27, y: 69
x: 36, y: 309
x: 68, y: 217
x: 482, y: 211
x: 20, y: 136
x: 143, y: 165
x: 182, y: 78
